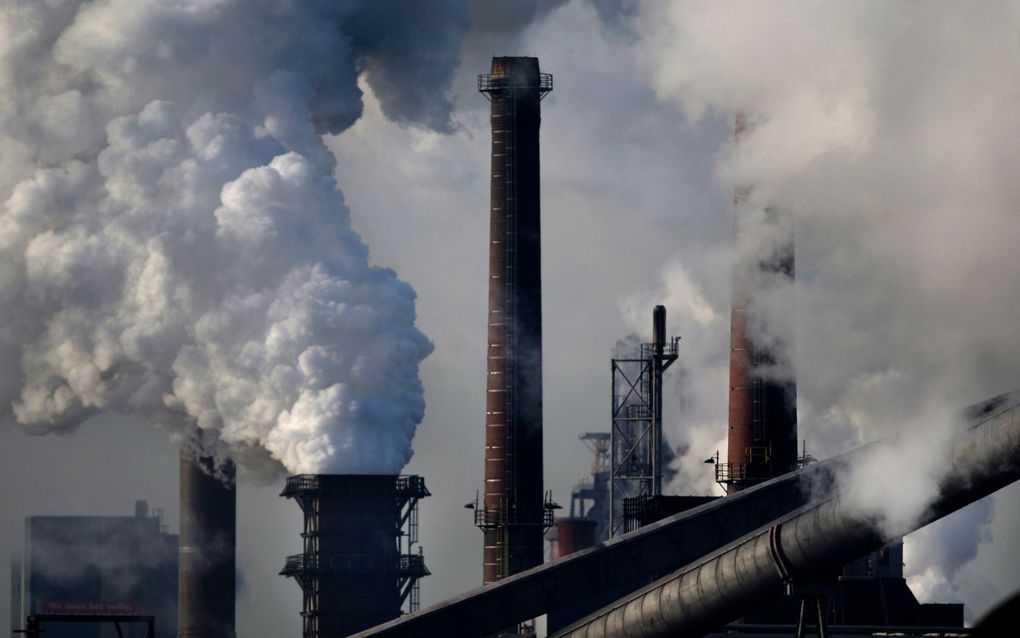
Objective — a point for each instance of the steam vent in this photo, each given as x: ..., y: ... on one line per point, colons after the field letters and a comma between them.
x: 208, y: 501
x: 513, y: 516
x: 359, y: 565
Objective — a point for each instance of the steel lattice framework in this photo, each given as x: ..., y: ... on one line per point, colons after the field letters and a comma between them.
x: 636, y: 433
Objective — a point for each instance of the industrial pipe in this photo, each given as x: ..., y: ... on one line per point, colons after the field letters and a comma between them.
x: 658, y: 366
x: 809, y: 544
x: 618, y: 565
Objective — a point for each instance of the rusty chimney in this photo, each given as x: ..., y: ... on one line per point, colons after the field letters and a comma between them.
x: 513, y: 515
x: 763, y: 408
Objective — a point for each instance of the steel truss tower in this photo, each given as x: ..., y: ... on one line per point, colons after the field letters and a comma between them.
x: 636, y: 433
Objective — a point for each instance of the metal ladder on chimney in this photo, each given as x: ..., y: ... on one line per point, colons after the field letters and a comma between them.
x: 508, y: 506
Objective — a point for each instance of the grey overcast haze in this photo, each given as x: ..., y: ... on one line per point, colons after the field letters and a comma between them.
x: 267, y: 221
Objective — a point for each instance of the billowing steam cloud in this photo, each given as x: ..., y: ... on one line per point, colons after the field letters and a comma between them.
x: 172, y: 241
x: 879, y: 127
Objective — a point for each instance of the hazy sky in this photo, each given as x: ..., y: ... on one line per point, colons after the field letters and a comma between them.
x: 885, y: 128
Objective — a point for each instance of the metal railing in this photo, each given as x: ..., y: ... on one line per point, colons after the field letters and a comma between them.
x: 301, y: 483
x: 737, y: 472
x: 497, y: 518
x: 403, y: 565
x: 488, y: 82
x: 730, y: 472
x: 410, y: 486
x: 670, y: 348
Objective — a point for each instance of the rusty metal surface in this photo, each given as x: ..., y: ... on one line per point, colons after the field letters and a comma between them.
x: 573, y: 535
x: 513, y: 494
x: 741, y: 409
x: 762, y: 437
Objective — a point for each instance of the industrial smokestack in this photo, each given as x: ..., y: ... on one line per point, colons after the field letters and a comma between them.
x: 358, y: 567
x: 658, y: 366
x: 513, y: 516
x: 762, y: 440
x: 208, y: 505
x: 659, y: 328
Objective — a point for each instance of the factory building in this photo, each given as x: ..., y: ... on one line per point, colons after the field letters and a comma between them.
x: 97, y: 565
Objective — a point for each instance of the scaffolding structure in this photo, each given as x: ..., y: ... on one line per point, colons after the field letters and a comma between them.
x: 362, y: 563
x: 635, y: 445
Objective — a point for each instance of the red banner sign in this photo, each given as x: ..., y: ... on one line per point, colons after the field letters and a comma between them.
x: 89, y: 607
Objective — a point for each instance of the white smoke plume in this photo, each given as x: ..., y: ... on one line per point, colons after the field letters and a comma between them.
x: 172, y: 240
x: 879, y: 127
x: 956, y: 539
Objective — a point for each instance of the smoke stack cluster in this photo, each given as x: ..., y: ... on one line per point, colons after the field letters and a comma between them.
x: 208, y: 501
x: 513, y: 517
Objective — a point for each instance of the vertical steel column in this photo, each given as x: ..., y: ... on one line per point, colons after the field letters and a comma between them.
x: 658, y: 347
x: 208, y: 501
x: 513, y: 514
